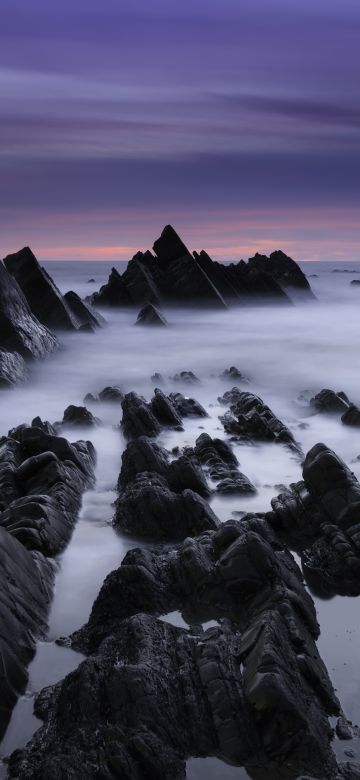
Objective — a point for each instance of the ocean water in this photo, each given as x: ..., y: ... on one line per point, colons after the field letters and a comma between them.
x: 284, y: 351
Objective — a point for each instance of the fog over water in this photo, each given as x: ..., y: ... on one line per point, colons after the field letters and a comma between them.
x: 283, y: 350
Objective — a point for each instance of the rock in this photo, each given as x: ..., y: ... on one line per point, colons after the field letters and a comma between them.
x: 355, y: 282
x: 222, y: 466
x: 26, y: 580
x: 164, y: 410
x: 90, y: 281
x: 157, y: 379
x: 45, y: 426
x: 233, y: 373
x: 111, y: 395
x: 42, y: 294
x: 250, y: 419
x: 13, y: 369
x: 343, y: 730
x: 150, y: 315
x: 284, y: 269
x: 321, y: 515
x: 147, y: 508
x: 329, y: 401
x: 83, y: 311
x: 187, y: 407
x: 41, y: 486
x: 90, y: 398
x: 113, y: 293
x: 351, y: 416
x: 186, y: 377
x: 138, y: 419
x: 175, y: 276
x: 20, y: 331
x: 79, y: 416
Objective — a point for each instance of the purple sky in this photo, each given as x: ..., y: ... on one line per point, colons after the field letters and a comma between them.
x: 236, y: 120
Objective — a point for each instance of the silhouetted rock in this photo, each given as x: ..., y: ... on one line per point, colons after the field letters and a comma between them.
x: 79, y: 416
x: 282, y: 268
x: 45, y: 426
x: 20, y: 331
x: 187, y: 407
x: 186, y: 377
x: 321, y: 515
x: 329, y: 401
x: 113, y: 293
x: 355, y: 282
x: 157, y: 379
x: 138, y: 418
x: 84, y: 313
x: 233, y: 373
x: 150, y: 315
x: 170, y: 246
x: 42, y: 294
x: 13, y: 369
x: 351, y: 416
x: 164, y: 410
x: 111, y: 394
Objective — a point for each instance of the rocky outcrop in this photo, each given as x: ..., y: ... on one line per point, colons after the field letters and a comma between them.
x: 43, y: 296
x: 138, y: 418
x: 320, y: 515
x: 42, y: 478
x: 83, y: 312
x: 185, y: 378
x: 150, y: 315
x: 222, y: 466
x: 79, y: 416
x: 249, y: 419
x: 252, y: 690
x: 13, y: 369
x: 327, y: 401
x: 284, y: 269
x: 187, y: 407
x: 20, y: 331
x: 175, y: 276
x: 233, y: 374
x: 147, y: 419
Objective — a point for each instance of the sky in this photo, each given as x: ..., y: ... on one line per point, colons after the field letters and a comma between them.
x: 237, y: 121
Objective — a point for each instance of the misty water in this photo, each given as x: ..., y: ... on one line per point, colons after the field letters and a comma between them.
x: 284, y: 351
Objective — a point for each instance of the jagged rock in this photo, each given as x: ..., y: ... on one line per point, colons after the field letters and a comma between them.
x: 145, y: 455
x: 250, y: 419
x: 40, y: 496
x: 83, y: 311
x: 282, y: 268
x: 150, y: 315
x: 231, y: 397
x: 321, y: 515
x: 25, y: 584
x: 222, y: 466
x: 138, y: 419
x: 175, y: 276
x: 355, y: 282
x: 233, y: 373
x: 186, y: 377
x: 329, y: 401
x: 157, y: 379
x: 79, y: 416
x: 343, y: 730
x: 42, y: 294
x: 187, y: 407
x: 147, y: 508
x: 164, y: 410
x: 113, y: 293
x: 45, y: 426
x: 351, y: 416
x: 20, y: 331
x: 111, y: 395
x: 13, y: 369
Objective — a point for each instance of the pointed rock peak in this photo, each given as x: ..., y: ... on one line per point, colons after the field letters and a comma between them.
x: 150, y: 315
x: 170, y: 246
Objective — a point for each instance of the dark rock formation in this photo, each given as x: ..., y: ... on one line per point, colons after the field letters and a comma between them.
x: 42, y: 294
x: 84, y: 313
x: 355, y: 282
x: 13, y: 369
x: 157, y: 379
x: 249, y: 419
x: 111, y: 394
x: 222, y: 466
x: 252, y: 691
x: 79, y: 416
x: 42, y: 479
x: 233, y: 374
x: 44, y: 425
x: 329, y: 401
x: 175, y: 276
x: 150, y: 315
x: 147, y: 508
x: 138, y: 419
x: 321, y: 516
x: 164, y: 410
x: 145, y: 455
x: 351, y: 416
x: 187, y: 407
x: 186, y: 377
x: 282, y: 268
x: 20, y: 331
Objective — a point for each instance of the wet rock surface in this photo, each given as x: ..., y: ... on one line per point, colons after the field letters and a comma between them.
x: 284, y: 269
x: 150, y: 315
x: 320, y: 515
x: 250, y: 419
x: 13, y: 369
x: 42, y: 478
x: 84, y: 313
x: 141, y: 418
x: 222, y: 466
x: 79, y: 416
